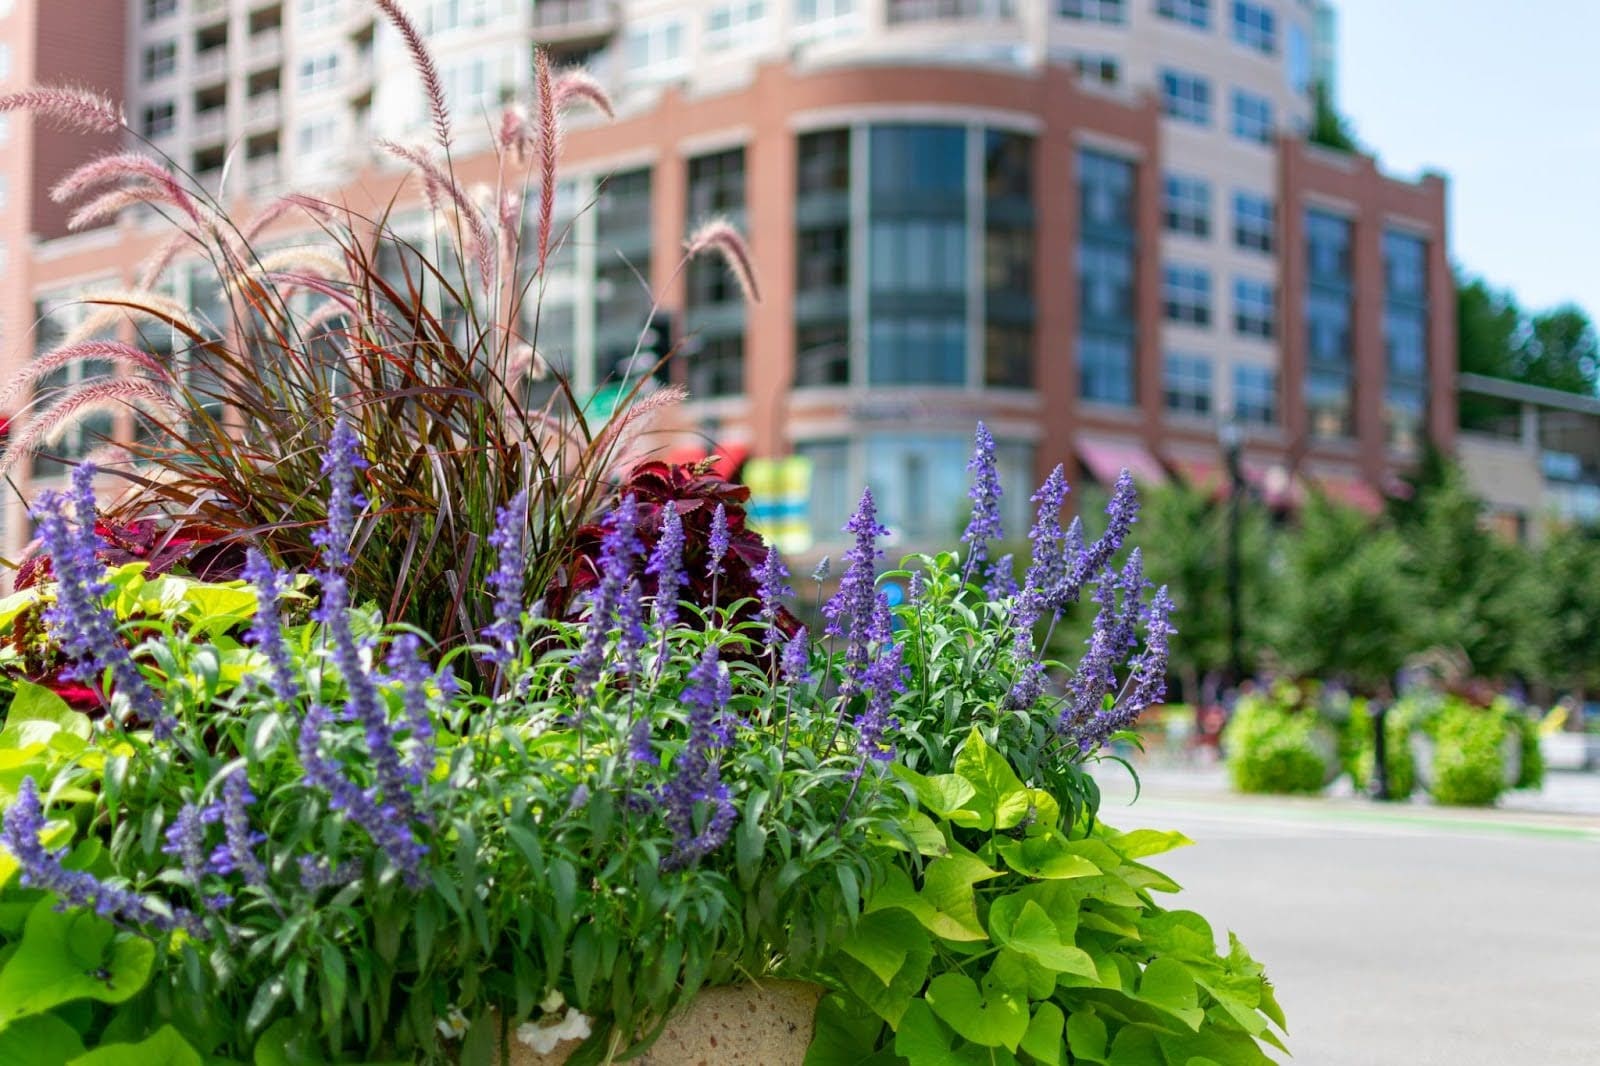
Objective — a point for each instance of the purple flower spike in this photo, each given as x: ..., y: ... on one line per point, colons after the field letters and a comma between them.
x: 886, y: 679
x: 717, y: 544
x: 620, y: 548
x: 340, y: 464
x: 1002, y: 583
x: 851, y: 610
x: 406, y: 667
x: 772, y: 577
x: 796, y: 662
x: 1049, y: 563
x: 79, y: 618
x: 666, y: 566
x: 186, y: 842
x: 266, y: 629
x: 985, y: 495
x: 697, y: 773
x: 237, y: 852
x: 506, y: 581
x: 42, y: 868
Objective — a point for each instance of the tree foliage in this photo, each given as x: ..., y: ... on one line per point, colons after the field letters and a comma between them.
x: 1496, y: 337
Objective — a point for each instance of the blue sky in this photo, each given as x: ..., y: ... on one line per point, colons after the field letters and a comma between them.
x: 1505, y: 98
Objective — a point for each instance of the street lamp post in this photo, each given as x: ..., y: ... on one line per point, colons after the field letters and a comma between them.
x: 1231, y: 438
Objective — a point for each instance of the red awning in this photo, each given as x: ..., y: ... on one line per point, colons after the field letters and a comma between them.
x: 1107, y: 459
x: 1353, y: 492
x: 1201, y: 475
x: 684, y: 454
x: 729, y: 458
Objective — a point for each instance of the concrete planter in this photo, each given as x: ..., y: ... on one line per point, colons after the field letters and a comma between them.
x: 766, y: 1024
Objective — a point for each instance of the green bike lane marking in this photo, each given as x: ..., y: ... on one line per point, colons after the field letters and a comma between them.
x: 1223, y: 808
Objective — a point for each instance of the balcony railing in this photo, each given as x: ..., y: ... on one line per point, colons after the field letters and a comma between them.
x: 262, y: 172
x: 570, y: 19
x: 209, y: 7
x: 923, y: 10
x: 263, y: 109
x: 211, y: 124
x: 266, y: 46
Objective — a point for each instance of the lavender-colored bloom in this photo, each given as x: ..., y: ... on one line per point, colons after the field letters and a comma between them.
x: 916, y: 588
x: 717, y: 543
x: 619, y: 549
x: 266, y: 629
x: 1002, y: 583
x: 237, y: 852
x: 579, y: 798
x: 340, y: 463
x: 850, y: 610
x: 630, y: 629
x: 639, y: 747
x: 796, y: 662
x: 79, y: 618
x: 185, y: 841
x: 666, y: 565
x: 506, y: 580
x: 387, y: 818
x: 985, y: 493
x: 406, y: 667
x: 884, y: 681
x: 820, y: 573
x: 697, y: 774
x: 772, y: 580
x: 318, y: 873
x: 42, y: 868
x: 1049, y: 564
x: 1147, y: 682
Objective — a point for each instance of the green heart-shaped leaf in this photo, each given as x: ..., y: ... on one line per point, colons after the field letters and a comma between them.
x: 1043, y: 1039
x: 998, y: 1020
x: 69, y: 956
x: 1167, y: 984
x: 1048, y: 856
x: 164, y: 1047
x: 1023, y: 925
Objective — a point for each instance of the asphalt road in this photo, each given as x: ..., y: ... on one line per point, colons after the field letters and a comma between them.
x: 1400, y: 936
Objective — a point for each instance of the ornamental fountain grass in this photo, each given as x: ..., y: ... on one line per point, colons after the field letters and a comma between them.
x: 337, y: 851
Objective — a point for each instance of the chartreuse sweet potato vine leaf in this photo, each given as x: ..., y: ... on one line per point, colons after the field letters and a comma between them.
x: 164, y: 1047
x: 64, y: 957
x: 1035, y: 941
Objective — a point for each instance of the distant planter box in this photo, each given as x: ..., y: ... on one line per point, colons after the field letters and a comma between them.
x: 1570, y: 751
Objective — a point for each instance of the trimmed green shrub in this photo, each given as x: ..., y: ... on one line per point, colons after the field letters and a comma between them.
x: 1271, y: 749
x: 1468, y: 759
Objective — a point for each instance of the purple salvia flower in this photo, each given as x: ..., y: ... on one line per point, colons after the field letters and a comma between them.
x: 266, y: 629
x: 884, y: 681
x: 185, y: 841
x: 796, y: 662
x: 1028, y: 687
x: 42, y: 868
x: 1049, y: 564
x: 772, y: 579
x: 237, y: 852
x: 697, y: 776
x: 717, y: 543
x: 406, y: 668
x: 619, y: 549
x: 79, y: 618
x: 387, y: 819
x: 916, y: 588
x: 1147, y: 680
x: 1085, y: 563
x: 506, y: 581
x: 340, y: 464
x: 850, y: 610
x: 318, y: 873
x: 666, y: 566
x: 630, y: 629
x: 639, y: 747
x: 1002, y: 583
x: 985, y: 493
x: 820, y: 573
x: 579, y: 798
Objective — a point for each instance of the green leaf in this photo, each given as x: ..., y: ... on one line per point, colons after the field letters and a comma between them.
x: 37, y: 714
x: 924, y: 1041
x: 881, y: 941
x: 1086, y: 1036
x: 69, y: 956
x: 287, y: 1043
x: 1043, y: 1039
x: 844, y: 1034
x: 888, y: 1000
x: 164, y: 1047
x: 265, y: 1001
x: 947, y: 887
x: 1002, y: 800
x: 1142, y: 843
x: 1016, y: 971
x: 946, y: 795
x: 997, y: 1020
x: 1167, y: 984
x: 1024, y: 925
x: 39, y: 1038
x: 1049, y: 857
x: 1135, y: 1046
x: 1183, y: 935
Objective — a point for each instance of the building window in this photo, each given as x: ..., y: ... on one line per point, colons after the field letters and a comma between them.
x: 158, y: 120
x: 1252, y: 117
x: 1298, y: 59
x: 1405, y: 337
x: 317, y: 135
x: 1255, y: 395
x: 1254, y: 308
x: 1096, y: 67
x: 713, y: 306
x: 716, y: 185
x: 917, y: 261
x: 1008, y: 257
x: 160, y: 60
x: 57, y: 315
x: 736, y: 24
x: 1186, y: 97
x: 1330, y: 375
x: 1253, y: 221
x: 831, y: 486
x: 654, y: 49
x: 622, y: 303
x: 716, y: 366
x: 314, y: 14
x: 824, y: 18
x: 920, y: 481
x: 1196, y: 13
x: 1186, y: 206
x: 822, y: 233
x: 1186, y: 384
x: 156, y: 10
x: 446, y: 15
x: 1110, y: 11
x: 1186, y: 295
x: 466, y: 89
x: 319, y: 72
x: 1254, y: 26
x: 1106, y: 306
